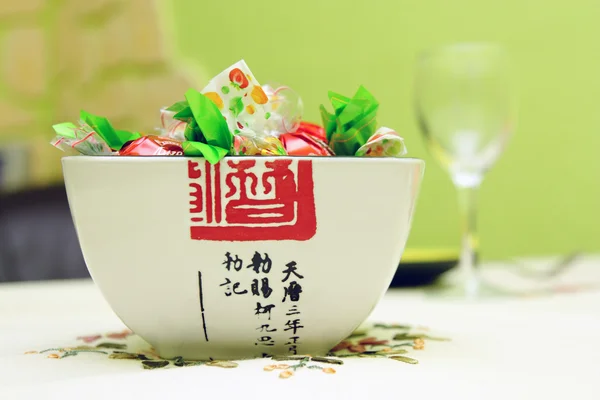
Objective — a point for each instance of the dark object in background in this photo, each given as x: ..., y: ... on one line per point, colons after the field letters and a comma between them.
x: 37, y: 237
x: 421, y: 267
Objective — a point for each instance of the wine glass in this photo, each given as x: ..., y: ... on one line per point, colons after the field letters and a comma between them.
x: 466, y: 107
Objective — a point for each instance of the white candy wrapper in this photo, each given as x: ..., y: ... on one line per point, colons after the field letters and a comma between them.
x: 385, y: 142
x: 240, y: 98
x: 286, y: 109
x: 81, y: 138
x: 171, y: 128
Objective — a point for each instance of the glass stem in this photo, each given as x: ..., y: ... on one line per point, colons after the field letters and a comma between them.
x: 467, y: 201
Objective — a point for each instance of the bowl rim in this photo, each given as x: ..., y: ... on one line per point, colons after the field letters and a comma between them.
x: 112, y: 158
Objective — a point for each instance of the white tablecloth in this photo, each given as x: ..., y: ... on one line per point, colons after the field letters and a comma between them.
x: 544, y: 347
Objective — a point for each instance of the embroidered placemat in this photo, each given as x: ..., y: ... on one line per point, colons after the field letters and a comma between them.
x: 395, y: 342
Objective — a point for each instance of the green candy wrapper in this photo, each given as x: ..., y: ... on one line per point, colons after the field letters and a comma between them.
x: 209, y: 120
x: 114, y: 138
x: 66, y: 130
x: 206, y: 131
x: 213, y: 154
x: 352, y: 123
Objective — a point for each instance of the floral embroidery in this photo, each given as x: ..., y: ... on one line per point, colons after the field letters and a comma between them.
x: 120, y: 335
x: 89, y: 339
x: 390, y: 341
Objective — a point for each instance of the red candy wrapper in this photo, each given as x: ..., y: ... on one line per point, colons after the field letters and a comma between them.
x: 303, y: 144
x: 313, y: 130
x: 308, y: 140
x: 152, y: 146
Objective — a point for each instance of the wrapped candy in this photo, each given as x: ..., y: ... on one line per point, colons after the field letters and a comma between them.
x: 171, y: 128
x: 384, y: 143
x: 114, y: 138
x: 351, y: 129
x: 352, y: 123
x: 235, y: 115
x: 301, y: 144
x: 240, y: 98
x: 81, y: 138
x: 286, y: 109
x: 232, y: 102
x: 94, y: 136
x: 306, y: 141
x: 257, y: 146
x: 313, y: 130
x: 152, y: 146
x: 206, y: 131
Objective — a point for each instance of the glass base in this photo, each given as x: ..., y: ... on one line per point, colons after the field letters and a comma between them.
x: 471, y: 290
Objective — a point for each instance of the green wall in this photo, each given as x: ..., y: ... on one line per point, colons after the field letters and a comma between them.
x: 542, y: 197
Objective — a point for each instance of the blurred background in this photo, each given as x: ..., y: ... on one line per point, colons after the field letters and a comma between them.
x: 126, y: 59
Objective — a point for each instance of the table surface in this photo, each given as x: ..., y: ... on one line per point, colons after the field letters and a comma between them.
x: 542, y: 344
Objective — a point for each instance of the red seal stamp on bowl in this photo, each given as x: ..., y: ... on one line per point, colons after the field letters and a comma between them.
x: 252, y: 200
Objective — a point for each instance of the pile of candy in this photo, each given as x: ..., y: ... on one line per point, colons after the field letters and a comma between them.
x: 235, y: 115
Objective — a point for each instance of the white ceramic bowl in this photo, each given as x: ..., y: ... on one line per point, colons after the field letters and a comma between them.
x: 202, y: 266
